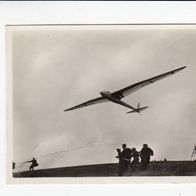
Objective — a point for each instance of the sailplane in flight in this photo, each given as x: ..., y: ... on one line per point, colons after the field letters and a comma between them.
x: 117, y: 96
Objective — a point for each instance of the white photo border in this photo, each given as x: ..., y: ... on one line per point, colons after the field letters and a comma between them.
x: 25, y: 13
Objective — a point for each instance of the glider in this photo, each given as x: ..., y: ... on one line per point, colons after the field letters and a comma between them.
x: 118, y: 95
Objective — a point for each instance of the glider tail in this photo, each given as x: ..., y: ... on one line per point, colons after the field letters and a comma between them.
x: 138, y: 110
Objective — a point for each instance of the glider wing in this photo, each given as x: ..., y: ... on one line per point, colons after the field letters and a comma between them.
x: 134, y: 87
x: 87, y: 103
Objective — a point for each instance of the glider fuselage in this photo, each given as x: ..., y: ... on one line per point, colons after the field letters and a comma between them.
x: 109, y: 96
x: 114, y: 99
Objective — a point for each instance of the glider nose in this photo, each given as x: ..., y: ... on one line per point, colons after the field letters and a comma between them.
x: 103, y: 93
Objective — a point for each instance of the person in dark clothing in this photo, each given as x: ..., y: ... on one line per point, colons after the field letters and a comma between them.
x: 119, y: 157
x: 145, y: 154
x: 119, y: 154
x: 34, y: 164
x: 135, y: 161
x: 124, y: 159
x: 13, y: 165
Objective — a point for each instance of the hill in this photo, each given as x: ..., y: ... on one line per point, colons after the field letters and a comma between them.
x: 168, y: 168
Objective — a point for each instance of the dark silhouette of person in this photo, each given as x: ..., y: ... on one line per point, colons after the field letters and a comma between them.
x: 119, y: 154
x: 120, y: 160
x: 135, y: 161
x: 145, y: 154
x: 13, y: 165
x: 124, y: 159
x: 34, y: 164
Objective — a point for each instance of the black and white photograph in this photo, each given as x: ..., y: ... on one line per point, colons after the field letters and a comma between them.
x: 102, y: 101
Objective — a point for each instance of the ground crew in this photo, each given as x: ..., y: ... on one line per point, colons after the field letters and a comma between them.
x: 135, y: 156
x: 145, y: 154
x: 119, y: 157
x: 34, y: 164
x: 124, y: 159
x: 13, y: 165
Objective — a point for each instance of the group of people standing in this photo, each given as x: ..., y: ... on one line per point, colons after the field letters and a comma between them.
x: 130, y: 157
x: 127, y: 157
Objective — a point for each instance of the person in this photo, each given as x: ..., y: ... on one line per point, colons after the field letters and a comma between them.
x: 13, y: 165
x: 34, y: 164
x: 124, y: 159
x: 120, y: 160
x: 119, y: 154
x: 145, y: 154
x: 135, y: 161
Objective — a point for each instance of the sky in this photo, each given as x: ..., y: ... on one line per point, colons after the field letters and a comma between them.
x: 57, y: 67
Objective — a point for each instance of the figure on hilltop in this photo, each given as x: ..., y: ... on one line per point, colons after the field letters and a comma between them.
x: 124, y: 157
x: 13, y: 165
x: 135, y: 156
x: 145, y: 154
x: 34, y: 164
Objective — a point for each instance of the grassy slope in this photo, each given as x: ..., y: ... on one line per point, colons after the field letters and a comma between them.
x: 170, y: 168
